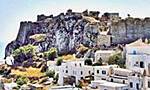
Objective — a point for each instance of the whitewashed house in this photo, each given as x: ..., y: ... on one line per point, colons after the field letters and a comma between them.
x: 103, y: 72
x: 138, y: 60
x: 73, y: 71
x: 120, y: 75
x: 135, y: 82
x: 110, y: 74
x: 137, y: 55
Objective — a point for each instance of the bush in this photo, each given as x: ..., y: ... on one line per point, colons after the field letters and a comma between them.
x: 25, y: 50
x: 117, y: 59
x: 59, y: 61
x: 51, y: 54
x: 1, y: 72
x: 50, y: 73
x: 79, y: 85
x: 24, y: 53
x: 22, y: 80
x: 88, y: 61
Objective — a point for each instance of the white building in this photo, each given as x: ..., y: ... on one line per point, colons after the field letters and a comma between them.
x: 103, y: 55
x: 138, y: 60
x: 103, y: 72
x: 113, y: 86
x: 73, y: 71
x: 137, y: 56
x: 136, y: 76
x: 10, y: 60
x: 120, y: 75
x: 112, y: 74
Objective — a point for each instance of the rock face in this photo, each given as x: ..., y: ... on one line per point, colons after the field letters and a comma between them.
x: 65, y: 32
x: 68, y: 30
x: 130, y: 29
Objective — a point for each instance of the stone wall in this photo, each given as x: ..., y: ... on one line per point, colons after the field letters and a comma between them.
x: 130, y: 29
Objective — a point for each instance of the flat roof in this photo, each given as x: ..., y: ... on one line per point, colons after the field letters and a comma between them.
x: 106, y: 66
x: 123, y: 70
x: 105, y: 51
x: 112, y: 84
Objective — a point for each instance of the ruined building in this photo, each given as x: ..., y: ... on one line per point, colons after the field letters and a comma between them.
x: 67, y: 31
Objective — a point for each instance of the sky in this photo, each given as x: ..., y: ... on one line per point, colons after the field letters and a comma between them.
x: 12, y: 12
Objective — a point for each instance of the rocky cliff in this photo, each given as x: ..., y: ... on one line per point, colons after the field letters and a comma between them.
x: 65, y: 32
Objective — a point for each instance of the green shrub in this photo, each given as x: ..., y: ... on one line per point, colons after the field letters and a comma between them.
x: 88, y: 61
x: 50, y: 73
x: 51, y: 54
x: 22, y: 80
x: 28, y: 49
x: 59, y: 61
x: 117, y: 59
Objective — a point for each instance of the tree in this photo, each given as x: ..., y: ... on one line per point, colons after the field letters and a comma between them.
x: 22, y: 80
x: 117, y: 59
x: 59, y: 61
x: 23, y: 53
x: 51, y: 54
x: 88, y: 61
x: 50, y: 73
x: 25, y: 50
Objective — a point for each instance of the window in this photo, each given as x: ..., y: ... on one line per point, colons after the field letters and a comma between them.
x: 134, y: 52
x: 103, y: 78
x: 148, y: 84
x: 142, y: 64
x: 80, y: 64
x: 75, y: 64
x: 66, y: 71
x: 81, y: 72
x: 89, y: 72
x: 111, y: 80
x: 131, y: 84
x: 81, y: 77
x: 97, y: 71
x: 137, y: 86
x: 123, y: 81
x: 103, y: 72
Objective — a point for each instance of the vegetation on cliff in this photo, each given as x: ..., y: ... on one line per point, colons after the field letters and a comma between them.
x: 22, y: 80
x: 51, y: 54
x: 117, y: 59
x: 59, y: 61
x: 26, y: 50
